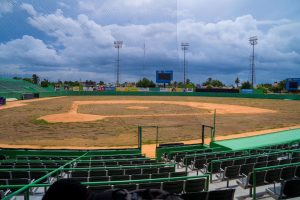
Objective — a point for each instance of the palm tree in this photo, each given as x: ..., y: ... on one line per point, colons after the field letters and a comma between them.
x: 237, y: 81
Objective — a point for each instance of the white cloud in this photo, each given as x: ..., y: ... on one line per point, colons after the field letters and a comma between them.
x: 5, y: 7
x: 28, y: 8
x: 28, y: 51
x: 83, y: 45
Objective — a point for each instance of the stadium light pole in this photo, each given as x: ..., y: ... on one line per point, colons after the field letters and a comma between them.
x: 253, y: 42
x: 184, y: 47
x: 118, y: 45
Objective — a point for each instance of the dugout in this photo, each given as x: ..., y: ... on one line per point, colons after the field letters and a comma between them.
x: 2, y: 101
x: 30, y: 96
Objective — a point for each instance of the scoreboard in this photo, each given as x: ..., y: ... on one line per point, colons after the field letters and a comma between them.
x: 293, y: 84
x: 164, y: 76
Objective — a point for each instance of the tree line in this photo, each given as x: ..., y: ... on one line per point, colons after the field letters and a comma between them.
x: 147, y: 83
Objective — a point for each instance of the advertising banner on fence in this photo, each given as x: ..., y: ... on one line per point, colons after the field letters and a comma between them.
x: 101, y: 88
x: 143, y: 89
x: 110, y: 89
x: 76, y: 88
x: 165, y: 89
x: 127, y: 89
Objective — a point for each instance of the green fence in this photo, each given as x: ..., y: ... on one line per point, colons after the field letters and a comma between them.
x: 13, y: 153
x: 18, y: 95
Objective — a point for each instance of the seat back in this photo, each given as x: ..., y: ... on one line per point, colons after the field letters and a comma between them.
x: 273, y: 175
x: 199, y: 163
x: 232, y: 171
x: 128, y: 187
x: 178, y: 174
x: 291, y: 188
x: 250, y: 160
x: 113, y: 172
x: 94, y: 173
x: 150, y: 186
x: 225, y: 194
x: 260, y: 164
x: 272, y: 163
x: 140, y: 176
x: 79, y: 174
x: 173, y: 186
x: 133, y: 171
x: 239, y: 161
x: 99, y: 178
x: 194, y: 196
x: 166, y: 169
x: 160, y: 175
x: 119, y: 178
x: 99, y: 188
x: 226, y: 163
x: 150, y: 170
x: 260, y: 178
x: 284, y: 161
x: 213, y: 167
x: 195, y: 185
x: 287, y: 173
x: 246, y: 168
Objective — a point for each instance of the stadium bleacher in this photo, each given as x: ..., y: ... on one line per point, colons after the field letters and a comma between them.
x: 267, y: 168
x: 19, y: 88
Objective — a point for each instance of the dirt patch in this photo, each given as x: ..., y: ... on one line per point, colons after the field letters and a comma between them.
x: 15, y: 104
x: 74, y: 116
x: 149, y: 149
x: 138, y: 107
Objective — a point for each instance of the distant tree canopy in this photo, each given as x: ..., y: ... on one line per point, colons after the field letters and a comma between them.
x: 35, y: 79
x: 45, y: 83
x: 213, y: 83
x: 145, y: 83
x: 246, y: 85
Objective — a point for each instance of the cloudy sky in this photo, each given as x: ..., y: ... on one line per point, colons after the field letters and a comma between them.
x: 73, y: 39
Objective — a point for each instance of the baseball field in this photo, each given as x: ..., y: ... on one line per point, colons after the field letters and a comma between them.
x: 111, y: 121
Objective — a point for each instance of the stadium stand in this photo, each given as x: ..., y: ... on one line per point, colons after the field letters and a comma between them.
x: 190, y: 171
x: 20, y: 89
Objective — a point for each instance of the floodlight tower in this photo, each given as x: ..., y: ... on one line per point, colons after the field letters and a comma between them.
x: 253, y: 42
x: 118, y: 45
x: 184, y: 47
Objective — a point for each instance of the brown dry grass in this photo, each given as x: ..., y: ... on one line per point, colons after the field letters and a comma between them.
x: 20, y: 125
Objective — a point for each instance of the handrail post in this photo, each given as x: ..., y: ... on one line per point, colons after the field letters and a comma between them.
x: 203, y: 132
x: 254, y: 184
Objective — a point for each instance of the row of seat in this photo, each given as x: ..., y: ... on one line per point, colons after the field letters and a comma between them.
x: 205, y: 165
x: 187, y: 157
x: 22, y: 174
x: 236, y: 171
x: 222, y: 194
x: 177, y: 187
x: 31, y: 166
x: 64, y: 161
x: 82, y: 178
x: 287, y: 190
x: 270, y: 176
x: 187, y: 160
x: 170, y: 155
x: 114, y: 163
x: 94, y: 157
x: 111, y: 172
